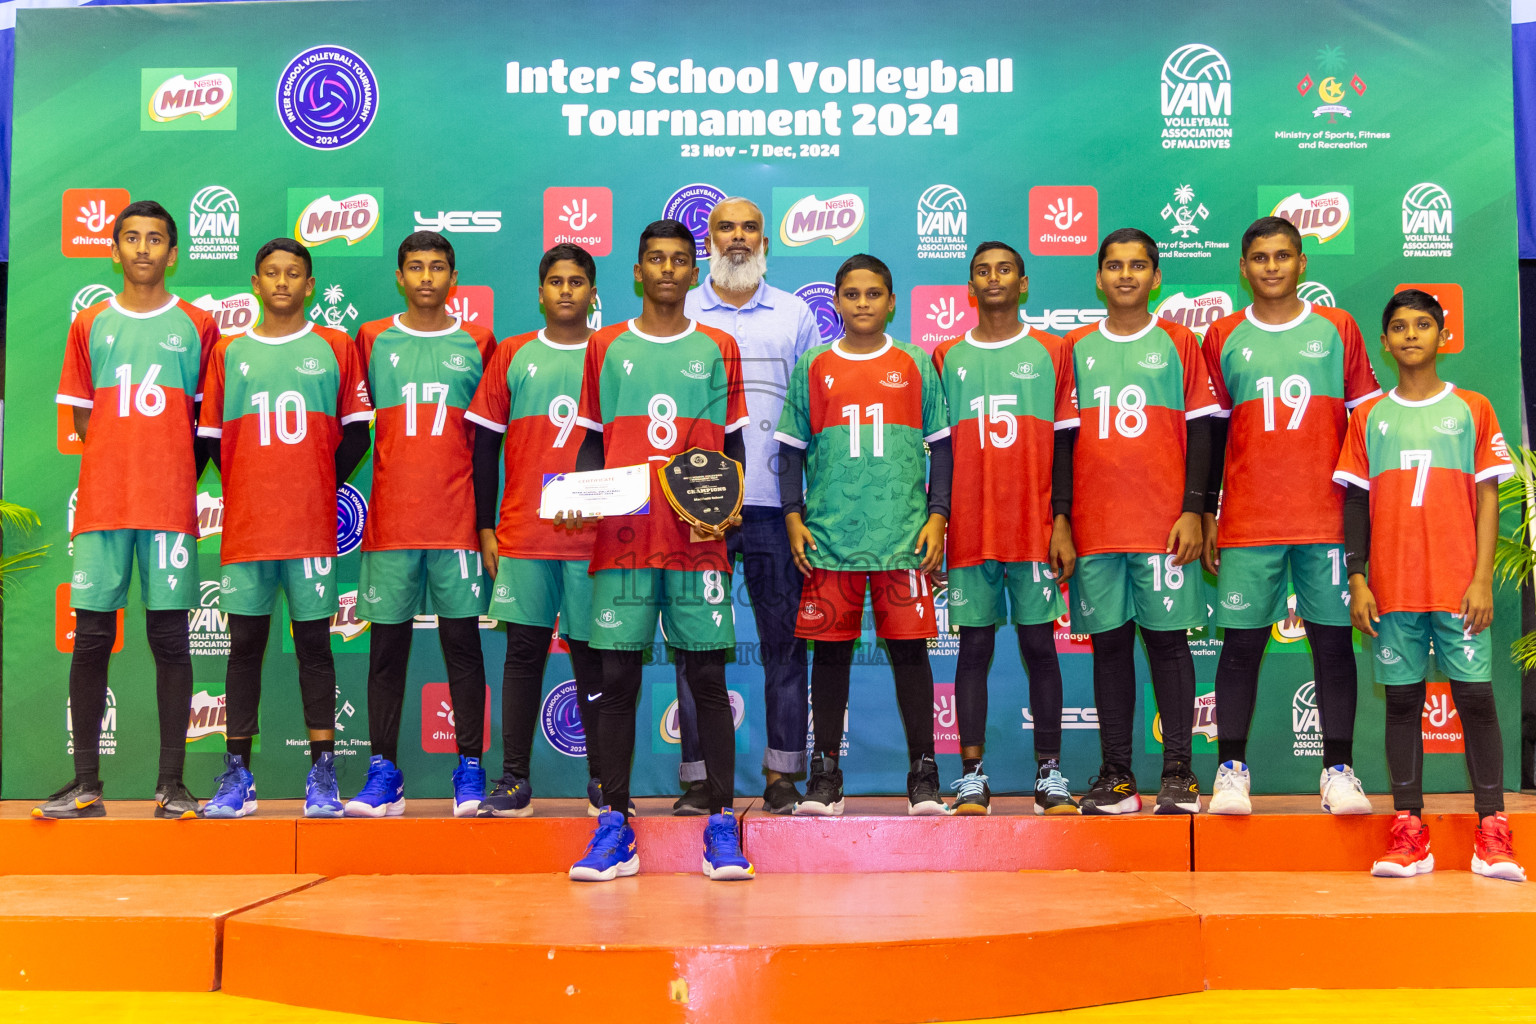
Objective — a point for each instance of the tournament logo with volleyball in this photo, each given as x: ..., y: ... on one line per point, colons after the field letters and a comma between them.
x: 187, y: 99
x: 1196, y: 306
x: 1196, y: 94
x: 941, y: 223
x: 824, y: 221
x: 327, y: 97
x: 351, y: 515
x: 213, y: 225
x: 821, y: 296
x: 560, y: 719
x: 1427, y: 221
x: 692, y: 205
x: 1319, y: 212
x: 325, y: 217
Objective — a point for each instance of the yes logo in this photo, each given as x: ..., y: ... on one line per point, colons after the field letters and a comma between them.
x: 939, y: 312
x: 580, y: 216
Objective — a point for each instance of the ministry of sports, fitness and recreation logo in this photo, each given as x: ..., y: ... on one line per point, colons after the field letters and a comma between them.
x: 320, y: 217
x: 328, y: 310
x: 1427, y: 221
x: 692, y: 205
x: 821, y: 297
x: 822, y: 221
x: 1196, y: 307
x: 187, y: 99
x: 1196, y: 99
x: 207, y: 626
x: 1184, y: 214
x: 213, y: 225
x: 1330, y: 88
x: 941, y: 223
x: 351, y: 514
x: 108, y: 742
x: 1316, y: 293
x: 235, y: 312
x: 327, y: 97
x: 560, y: 719
x: 1322, y: 213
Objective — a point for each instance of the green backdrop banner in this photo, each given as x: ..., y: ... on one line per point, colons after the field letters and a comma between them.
x: 1383, y: 132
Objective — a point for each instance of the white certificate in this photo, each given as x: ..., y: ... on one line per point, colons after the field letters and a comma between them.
x: 601, y: 492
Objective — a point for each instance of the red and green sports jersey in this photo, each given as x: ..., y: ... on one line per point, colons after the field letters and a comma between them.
x: 1003, y: 398
x: 1288, y: 389
x: 862, y: 420
x: 1422, y: 462
x: 652, y: 398
x: 141, y: 375
x: 1135, y: 394
x: 423, y: 450
x: 277, y: 406
x: 529, y: 392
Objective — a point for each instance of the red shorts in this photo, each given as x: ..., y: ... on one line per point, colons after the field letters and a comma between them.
x: 832, y: 605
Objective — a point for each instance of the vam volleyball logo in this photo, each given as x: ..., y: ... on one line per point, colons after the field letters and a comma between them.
x: 810, y: 225
x: 941, y: 223
x: 1427, y: 221
x: 1320, y: 213
x: 214, y: 225
x: 1196, y: 99
x: 187, y: 99
x: 1316, y: 293
x: 691, y: 205
x: 87, y: 297
x: 327, y: 97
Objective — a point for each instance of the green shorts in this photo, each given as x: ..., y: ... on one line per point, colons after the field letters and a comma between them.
x: 977, y: 594
x: 1402, y: 648
x: 397, y: 586
x: 1251, y: 585
x: 250, y: 588
x: 695, y: 609
x: 103, y: 565
x: 1111, y: 589
x: 542, y: 591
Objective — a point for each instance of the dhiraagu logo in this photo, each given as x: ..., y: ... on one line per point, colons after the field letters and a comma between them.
x: 187, y: 99
x: 824, y: 221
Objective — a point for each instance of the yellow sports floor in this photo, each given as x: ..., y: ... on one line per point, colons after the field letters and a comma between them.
x: 1401, y: 1006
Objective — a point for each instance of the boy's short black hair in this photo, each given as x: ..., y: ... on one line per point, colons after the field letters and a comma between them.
x: 1266, y: 226
x: 985, y: 246
x: 145, y: 208
x: 863, y: 261
x: 424, y: 241
x: 1127, y: 236
x: 288, y: 245
x: 668, y: 228
x: 1413, y: 298
x: 574, y: 253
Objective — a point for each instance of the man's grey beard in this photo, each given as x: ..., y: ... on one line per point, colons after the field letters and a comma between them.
x: 734, y: 273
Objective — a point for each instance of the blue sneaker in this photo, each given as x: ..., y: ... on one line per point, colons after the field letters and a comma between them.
x: 723, y: 861
x: 595, y: 803
x: 383, y: 793
x: 234, y: 792
x: 611, y: 853
x: 468, y: 787
x: 321, y: 797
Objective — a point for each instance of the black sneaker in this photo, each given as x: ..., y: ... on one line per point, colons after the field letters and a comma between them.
x: 972, y: 794
x: 1112, y: 792
x: 780, y: 797
x: 923, y: 796
x: 1181, y: 791
x: 173, y: 801
x: 1051, y: 793
x: 76, y: 800
x: 694, y: 802
x: 510, y: 797
x: 823, y: 790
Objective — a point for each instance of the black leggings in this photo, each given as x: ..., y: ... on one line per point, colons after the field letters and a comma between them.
x: 616, y: 724
x: 1037, y: 646
x: 1237, y: 689
x: 830, y: 670
x: 389, y: 655
x: 522, y: 683
x: 1484, y: 744
x: 95, y: 633
x: 1114, y: 690
x: 242, y: 678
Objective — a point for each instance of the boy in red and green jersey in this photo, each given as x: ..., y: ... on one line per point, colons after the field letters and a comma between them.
x: 530, y: 393
x: 1139, y: 465
x: 654, y: 387
x: 133, y: 373
x: 1286, y: 372
x: 1003, y: 384
x: 1423, y: 466
x: 279, y: 399
x: 856, y: 420
x: 421, y: 553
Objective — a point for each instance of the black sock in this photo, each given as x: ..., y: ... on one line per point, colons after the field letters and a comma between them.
x: 1405, y: 746
x: 389, y: 654
x: 168, y: 642
x: 1333, y: 666
x: 1484, y: 745
x: 95, y: 633
x: 319, y: 748
x: 914, y: 694
x: 1237, y: 690
x: 241, y: 746
x: 969, y: 764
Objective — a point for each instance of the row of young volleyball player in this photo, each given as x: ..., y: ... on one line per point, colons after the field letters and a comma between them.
x: 1097, y: 459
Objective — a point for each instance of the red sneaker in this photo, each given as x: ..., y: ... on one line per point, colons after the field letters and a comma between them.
x: 1409, y: 853
x: 1493, y: 851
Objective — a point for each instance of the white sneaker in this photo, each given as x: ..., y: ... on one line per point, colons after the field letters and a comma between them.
x: 1342, y: 792
x: 1230, y: 795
